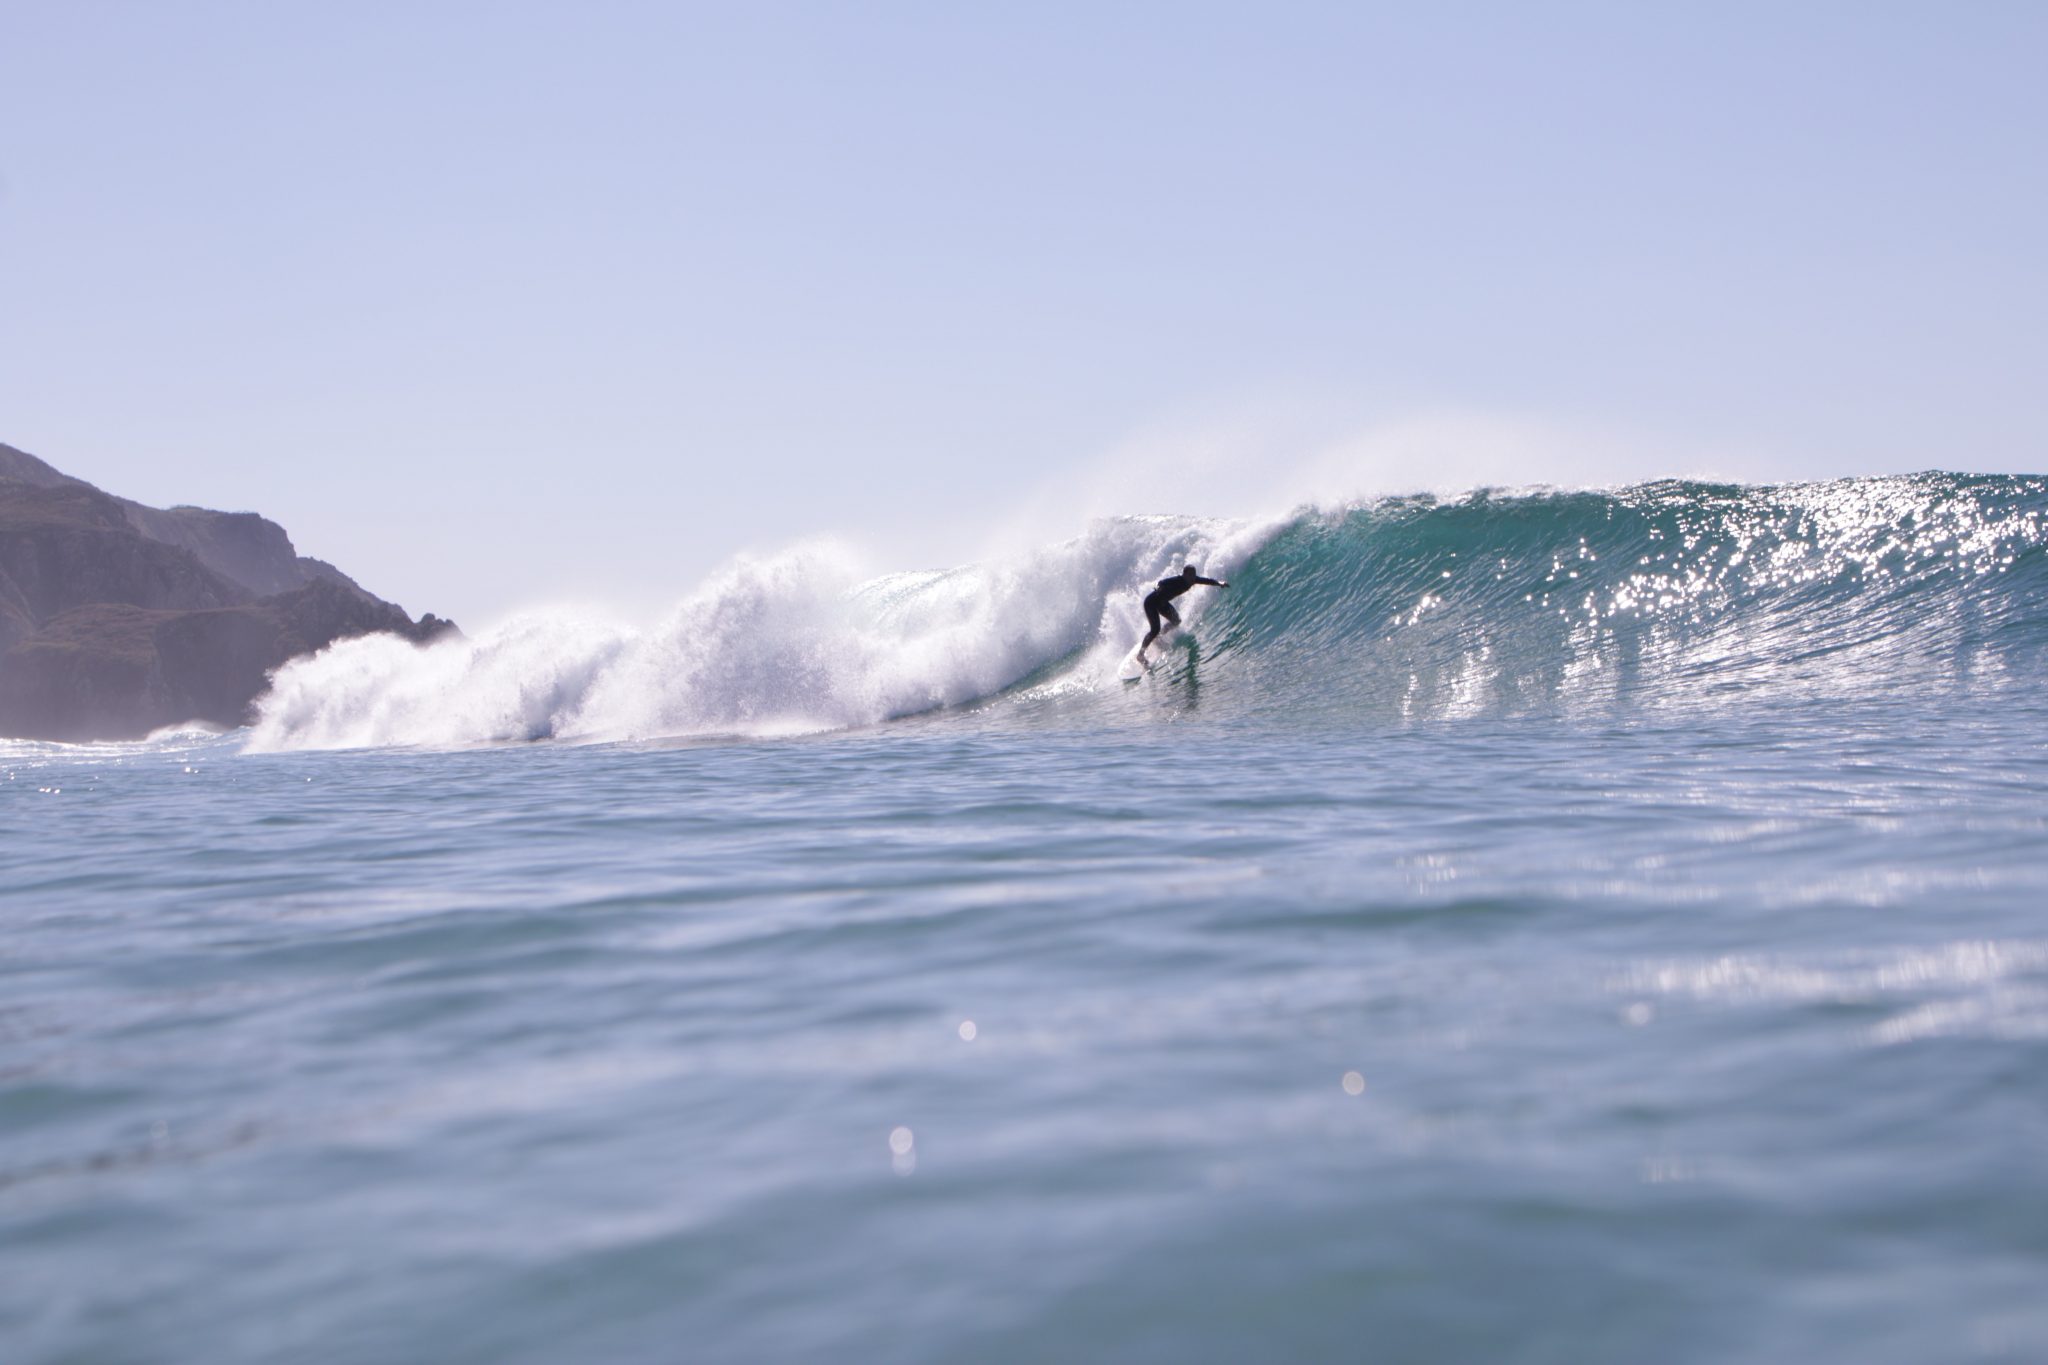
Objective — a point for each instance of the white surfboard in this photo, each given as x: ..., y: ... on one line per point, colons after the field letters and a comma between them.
x: 1134, y: 668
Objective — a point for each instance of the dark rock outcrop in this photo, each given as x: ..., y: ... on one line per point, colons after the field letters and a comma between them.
x: 243, y: 547
x: 117, y: 619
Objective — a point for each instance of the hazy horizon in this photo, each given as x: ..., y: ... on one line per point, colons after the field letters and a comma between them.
x: 496, y: 304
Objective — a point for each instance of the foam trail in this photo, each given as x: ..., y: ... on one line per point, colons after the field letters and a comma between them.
x: 798, y: 642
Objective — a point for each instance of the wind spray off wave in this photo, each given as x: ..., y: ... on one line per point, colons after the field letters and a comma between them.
x: 1400, y: 609
x: 800, y: 642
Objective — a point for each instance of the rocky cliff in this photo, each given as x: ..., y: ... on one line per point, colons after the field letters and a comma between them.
x: 117, y: 619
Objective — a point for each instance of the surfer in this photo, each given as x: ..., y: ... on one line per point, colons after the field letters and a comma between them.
x: 1159, y: 612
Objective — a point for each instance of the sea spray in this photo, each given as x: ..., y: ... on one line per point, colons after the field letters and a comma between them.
x: 787, y: 644
x: 1397, y: 610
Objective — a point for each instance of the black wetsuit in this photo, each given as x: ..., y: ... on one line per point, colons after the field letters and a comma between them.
x: 1159, y: 612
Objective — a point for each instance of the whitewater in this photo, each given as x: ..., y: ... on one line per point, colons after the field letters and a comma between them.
x: 1536, y: 925
x: 1489, y: 602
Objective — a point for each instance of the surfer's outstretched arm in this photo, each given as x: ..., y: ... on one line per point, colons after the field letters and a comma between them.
x: 1212, y: 582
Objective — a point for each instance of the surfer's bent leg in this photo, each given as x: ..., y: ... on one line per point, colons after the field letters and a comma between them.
x: 1160, y: 615
x: 1153, y: 610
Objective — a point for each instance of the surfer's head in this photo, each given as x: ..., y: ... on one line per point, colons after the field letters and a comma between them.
x: 1188, y: 571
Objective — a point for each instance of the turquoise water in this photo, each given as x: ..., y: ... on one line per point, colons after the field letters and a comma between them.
x: 1379, y: 979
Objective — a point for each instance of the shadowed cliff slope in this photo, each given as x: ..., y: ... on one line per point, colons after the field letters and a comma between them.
x: 117, y: 619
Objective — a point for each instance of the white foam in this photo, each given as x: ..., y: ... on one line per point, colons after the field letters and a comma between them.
x: 796, y: 642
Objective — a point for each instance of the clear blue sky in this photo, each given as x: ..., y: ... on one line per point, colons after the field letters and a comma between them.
x: 499, y: 302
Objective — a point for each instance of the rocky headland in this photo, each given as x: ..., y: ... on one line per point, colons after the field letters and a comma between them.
x: 117, y: 619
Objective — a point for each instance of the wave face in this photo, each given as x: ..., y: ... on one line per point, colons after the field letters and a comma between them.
x: 1402, y: 609
x: 1668, y: 593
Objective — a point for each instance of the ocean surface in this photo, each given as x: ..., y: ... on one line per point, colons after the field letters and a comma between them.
x: 1551, y: 927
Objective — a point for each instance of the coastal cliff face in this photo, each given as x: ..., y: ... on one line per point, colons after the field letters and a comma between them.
x: 117, y: 619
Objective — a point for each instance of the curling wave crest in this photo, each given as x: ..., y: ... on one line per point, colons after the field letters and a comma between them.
x: 1670, y: 593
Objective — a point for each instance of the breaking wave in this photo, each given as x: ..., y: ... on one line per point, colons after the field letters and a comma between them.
x: 1399, y: 609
